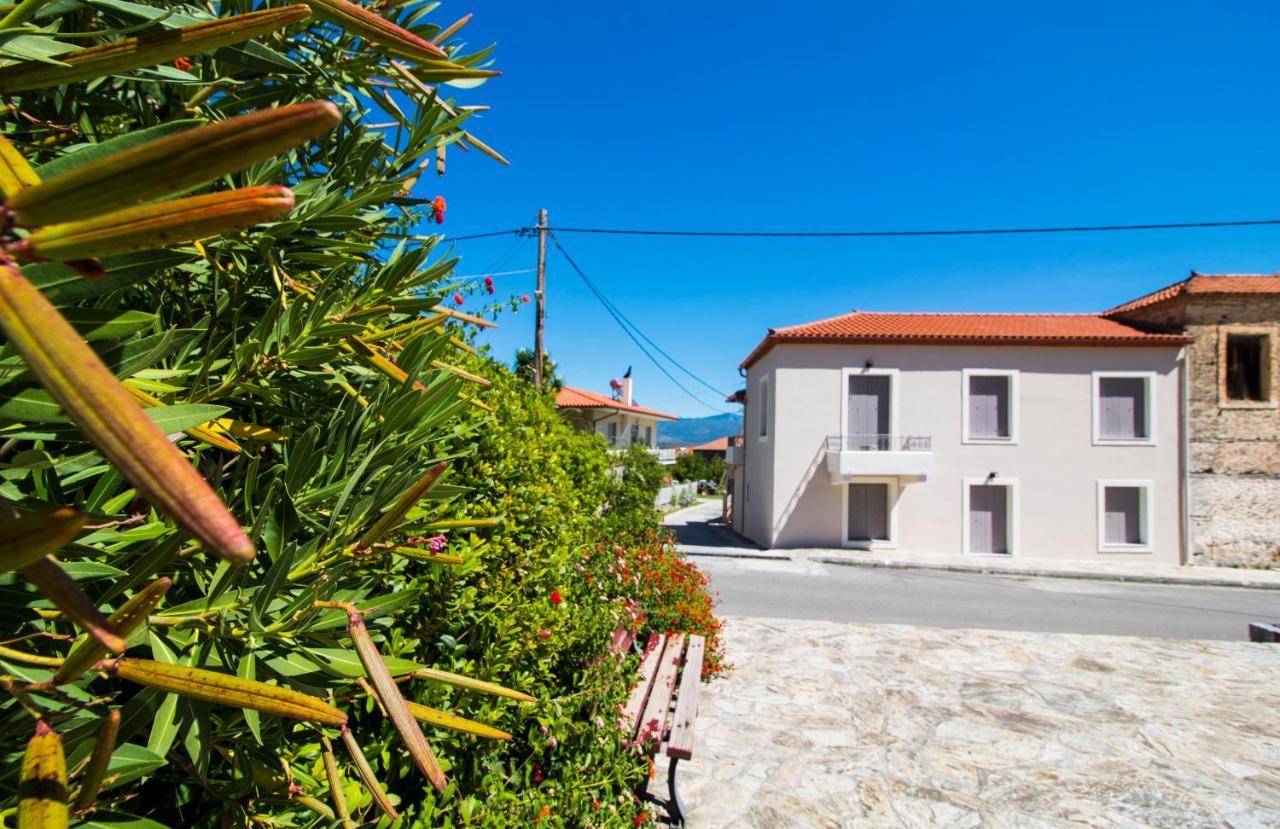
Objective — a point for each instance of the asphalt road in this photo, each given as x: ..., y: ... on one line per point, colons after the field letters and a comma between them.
x: 808, y: 590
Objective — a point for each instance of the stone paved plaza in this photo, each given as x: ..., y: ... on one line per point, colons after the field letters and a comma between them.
x: 824, y: 724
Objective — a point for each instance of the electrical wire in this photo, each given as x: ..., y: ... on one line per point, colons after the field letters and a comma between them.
x: 868, y: 234
x: 626, y: 325
x: 844, y: 234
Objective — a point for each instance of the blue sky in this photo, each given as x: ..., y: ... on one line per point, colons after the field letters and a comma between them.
x: 849, y: 115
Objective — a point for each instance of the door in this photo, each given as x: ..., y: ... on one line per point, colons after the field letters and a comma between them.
x: 868, y: 426
x: 868, y: 512
x: 989, y: 519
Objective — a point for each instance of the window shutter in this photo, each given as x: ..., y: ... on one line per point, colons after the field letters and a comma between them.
x: 1122, y: 408
x: 989, y: 407
x: 1122, y: 515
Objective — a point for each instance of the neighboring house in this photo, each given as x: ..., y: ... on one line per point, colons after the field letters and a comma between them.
x: 622, y: 423
x: 1233, y: 322
x: 712, y: 448
x: 1054, y: 436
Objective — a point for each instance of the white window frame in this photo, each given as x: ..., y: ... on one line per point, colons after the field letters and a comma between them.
x: 762, y: 417
x: 891, y: 511
x: 1012, y: 501
x: 1150, y: 408
x: 1012, y: 375
x: 1146, y: 505
x: 892, y: 374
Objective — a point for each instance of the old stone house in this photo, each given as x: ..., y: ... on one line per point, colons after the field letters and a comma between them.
x: 1233, y: 463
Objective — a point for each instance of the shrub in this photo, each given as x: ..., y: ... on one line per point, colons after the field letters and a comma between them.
x: 643, y: 565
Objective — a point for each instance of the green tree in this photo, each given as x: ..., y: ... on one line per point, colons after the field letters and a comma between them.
x: 523, y: 367
x: 694, y: 466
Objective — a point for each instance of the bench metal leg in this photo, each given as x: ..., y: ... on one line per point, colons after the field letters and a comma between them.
x: 675, y: 808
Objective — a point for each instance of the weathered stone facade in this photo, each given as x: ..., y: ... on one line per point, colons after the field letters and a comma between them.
x: 1234, y: 445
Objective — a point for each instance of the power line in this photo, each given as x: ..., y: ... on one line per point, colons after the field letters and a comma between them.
x: 869, y: 234
x: 623, y: 323
x: 845, y: 234
x: 519, y: 231
x: 649, y: 340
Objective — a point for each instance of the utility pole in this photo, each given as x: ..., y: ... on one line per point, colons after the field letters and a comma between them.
x: 540, y: 295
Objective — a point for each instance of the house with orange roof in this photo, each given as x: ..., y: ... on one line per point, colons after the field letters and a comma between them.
x: 615, y: 416
x: 1233, y: 420
x: 1143, y: 433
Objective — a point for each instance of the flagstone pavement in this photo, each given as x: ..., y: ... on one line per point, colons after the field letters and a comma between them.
x: 824, y: 724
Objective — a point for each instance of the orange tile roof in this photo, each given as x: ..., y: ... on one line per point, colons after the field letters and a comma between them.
x: 571, y: 398
x: 717, y: 445
x: 964, y: 329
x: 1205, y: 283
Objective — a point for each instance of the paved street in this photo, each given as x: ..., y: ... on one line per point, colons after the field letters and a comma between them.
x: 808, y: 590
x: 823, y: 724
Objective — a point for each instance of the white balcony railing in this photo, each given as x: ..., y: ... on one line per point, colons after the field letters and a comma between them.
x: 853, y: 456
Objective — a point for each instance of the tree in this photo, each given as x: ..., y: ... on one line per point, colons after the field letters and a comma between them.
x: 523, y: 367
x: 696, y: 466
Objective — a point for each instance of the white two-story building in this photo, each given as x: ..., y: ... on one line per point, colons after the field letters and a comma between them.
x: 1053, y: 436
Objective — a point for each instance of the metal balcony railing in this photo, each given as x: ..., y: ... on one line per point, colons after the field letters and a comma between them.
x: 879, y: 443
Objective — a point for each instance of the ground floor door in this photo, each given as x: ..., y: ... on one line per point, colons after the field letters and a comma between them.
x: 988, y: 519
x: 868, y: 512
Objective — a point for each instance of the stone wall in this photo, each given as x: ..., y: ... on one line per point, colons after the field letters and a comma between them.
x: 1234, y: 464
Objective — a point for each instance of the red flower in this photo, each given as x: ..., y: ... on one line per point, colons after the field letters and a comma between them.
x: 556, y: 598
x: 640, y: 819
x: 544, y: 634
x: 183, y: 63
x: 524, y: 298
x: 437, y: 210
x: 457, y: 299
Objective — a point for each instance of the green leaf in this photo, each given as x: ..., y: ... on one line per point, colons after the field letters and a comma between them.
x: 80, y: 154
x: 117, y: 820
x: 63, y: 285
x: 164, y: 728
x: 248, y: 670
x: 183, y: 416
x: 251, y: 55
x: 130, y: 762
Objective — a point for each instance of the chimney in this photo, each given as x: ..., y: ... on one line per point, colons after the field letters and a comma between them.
x: 626, y: 389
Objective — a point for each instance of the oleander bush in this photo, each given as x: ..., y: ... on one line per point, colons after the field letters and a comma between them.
x: 276, y: 548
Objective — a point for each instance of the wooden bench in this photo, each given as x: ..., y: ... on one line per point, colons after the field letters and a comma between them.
x: 660, y: 714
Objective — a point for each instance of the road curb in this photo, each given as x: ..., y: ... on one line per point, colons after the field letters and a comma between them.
x: 702, y: 553
x: 1037, y: 573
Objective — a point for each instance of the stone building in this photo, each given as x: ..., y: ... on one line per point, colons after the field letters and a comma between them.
x: 1233, y: 463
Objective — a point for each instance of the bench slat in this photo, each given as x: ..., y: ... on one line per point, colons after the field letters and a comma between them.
x: 680, y: 744
x: 654, y: 720
x: 648, y: 670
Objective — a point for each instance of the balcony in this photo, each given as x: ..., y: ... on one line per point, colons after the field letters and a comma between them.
x: 858, y: 456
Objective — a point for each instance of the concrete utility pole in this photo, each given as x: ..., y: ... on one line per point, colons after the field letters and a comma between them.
x: 540, y: 295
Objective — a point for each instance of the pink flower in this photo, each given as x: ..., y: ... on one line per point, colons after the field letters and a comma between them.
x: 438, y: 543
x: 544, y: 634
x: 552, y: 742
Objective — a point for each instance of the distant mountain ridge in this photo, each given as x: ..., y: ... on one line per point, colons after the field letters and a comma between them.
x: 694, y: 430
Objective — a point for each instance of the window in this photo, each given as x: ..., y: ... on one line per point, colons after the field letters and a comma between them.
x: 868, y: 515
x: 990, y: 516
x: 612, y: 429
x: 990, y: 402
x: 648, y: 436
x: 1247, y: 369
x: 635, y: 433
x: 1124, y: 516
x: 1123, y: 408
x: 764, y: 408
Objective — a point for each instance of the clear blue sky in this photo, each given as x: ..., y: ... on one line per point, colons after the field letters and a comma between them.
x: 850, y: 115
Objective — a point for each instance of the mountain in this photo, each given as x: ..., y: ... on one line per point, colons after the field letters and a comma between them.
x: 694, y: 430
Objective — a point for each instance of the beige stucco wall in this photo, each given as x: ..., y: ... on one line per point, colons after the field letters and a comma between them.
x: 593, y: 420
x: 793, y: 502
